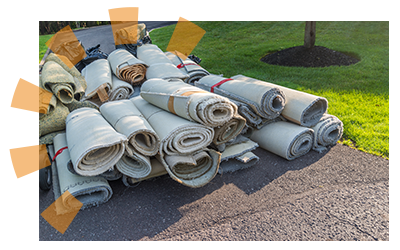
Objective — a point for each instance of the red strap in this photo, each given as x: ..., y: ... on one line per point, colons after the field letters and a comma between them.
x: 184, y: 64
x: 59, y: 152
x: 219, y: 83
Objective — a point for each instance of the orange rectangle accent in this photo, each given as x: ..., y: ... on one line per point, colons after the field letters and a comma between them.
x: 124, y: 18
x: 27, y: 160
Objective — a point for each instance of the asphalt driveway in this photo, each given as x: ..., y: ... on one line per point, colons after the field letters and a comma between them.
x: 341, y: 194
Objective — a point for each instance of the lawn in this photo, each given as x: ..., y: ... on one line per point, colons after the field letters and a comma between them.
x: 357, y: 94
x: 42, y: 46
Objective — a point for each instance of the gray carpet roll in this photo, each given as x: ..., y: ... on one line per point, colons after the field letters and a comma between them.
x: 129, y: 121
x: 327, y: 132
x: 189, y: 102
x: 285, y: 139
x: 90, y: 191
x: 267, y: 101
x: 134, y: 165
x: 157, y: 169
x: 94, y: 145
x: 301, y: 108
x: 229, y: 130
x: 120, y: 89
x: 98, y: 77
x: 238, y: 156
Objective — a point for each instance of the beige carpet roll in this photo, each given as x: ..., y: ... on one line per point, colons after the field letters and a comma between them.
x: 165, y: 71
x: 99, y: 82
x: 157, y: 169
x: 229, y: 130
x: 301, y: 108
x: 90, y: 191
x: 193, y: 170
x: 195, y: 71
x: 120, y: 89
x: 129, y: 121
x: 183, y: 145
x: 57, y: 80
x: 127, y: 67
x: 134, y: 165
x: 285, y: 139
x: 177, y: 135
x: 151, y: 54
x: 94, y: 145
x: 188, y: 102
x: 267, y: 101
x: 327, y: 132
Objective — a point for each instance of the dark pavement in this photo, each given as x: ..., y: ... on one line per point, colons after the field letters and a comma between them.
x: 341, y: 194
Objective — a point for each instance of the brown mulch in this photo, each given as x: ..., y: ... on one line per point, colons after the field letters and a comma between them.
x: 317, y: 56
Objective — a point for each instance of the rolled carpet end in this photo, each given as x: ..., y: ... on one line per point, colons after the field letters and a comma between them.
x: 285, y: 139
x: 127, y: 67
x: 229, y: 130
x: 90, y: 191
x: 134, y: 165
x: 94, y: 145
x: 327, y: 132
x: 195, y: 170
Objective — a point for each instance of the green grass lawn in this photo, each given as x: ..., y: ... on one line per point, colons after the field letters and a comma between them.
x: 357, y: 94
x: 42, y: 45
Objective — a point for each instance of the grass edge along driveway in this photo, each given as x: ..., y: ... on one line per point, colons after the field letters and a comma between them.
x: 357, y: 94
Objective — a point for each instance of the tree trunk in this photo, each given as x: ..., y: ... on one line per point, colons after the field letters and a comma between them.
x: 309, y: 35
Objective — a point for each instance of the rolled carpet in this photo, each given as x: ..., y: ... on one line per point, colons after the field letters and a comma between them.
x: 183, y: 145
x: 134, y: 165
x: 193, y: 170
x: 285, y: 139
x: 229, y: 130
x: 177, y: 135
x: 157, y: 169
x: 159, y: 64
x: 188, y: 102
x: 301, y: 108
x: 94, y: 145
x: 99, y: 82
x: 120, y: 89
x: 57, y: 80
x: 129, y: 121
x: 267, y: 101
x: 127, y: 67
x: 195, y: 71
x: 90, y: 191
x: 327, y: 132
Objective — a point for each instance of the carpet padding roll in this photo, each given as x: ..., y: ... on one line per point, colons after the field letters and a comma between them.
x: 267, y: 101
x: 93, y: 143
x: 189, y: 102
x: 127, y: 67
x: 285, y: 139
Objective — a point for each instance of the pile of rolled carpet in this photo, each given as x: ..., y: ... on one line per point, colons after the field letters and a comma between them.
x: 183, y: 122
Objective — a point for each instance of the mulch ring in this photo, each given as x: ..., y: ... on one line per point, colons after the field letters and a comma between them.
x: 317, y: 56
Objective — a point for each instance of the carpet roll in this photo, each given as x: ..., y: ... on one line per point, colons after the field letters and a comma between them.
x: 157, y: 169
x: 238, y: 156
x: 301, y: 108
x: 267, y: 101
x: 90, y: 191
x: 57, y: 80
x: 120, y: 89
x: 99, y: 82
x: 229, y: 130
x: 177, y: 135
x: 192, y: 69
x: 285, y: 139
x: 183, y: 151
x: 127, y: 67
x: 194, y: 170
x: 134, y: 165
x: 94, y: 145
x: 129, y: 121
x: 327, y: 132
x: 188, y: 102
x: 159, y: 64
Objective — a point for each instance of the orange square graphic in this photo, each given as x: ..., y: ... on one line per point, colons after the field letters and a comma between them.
x: 66, y: 44
x: 62, y: 221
